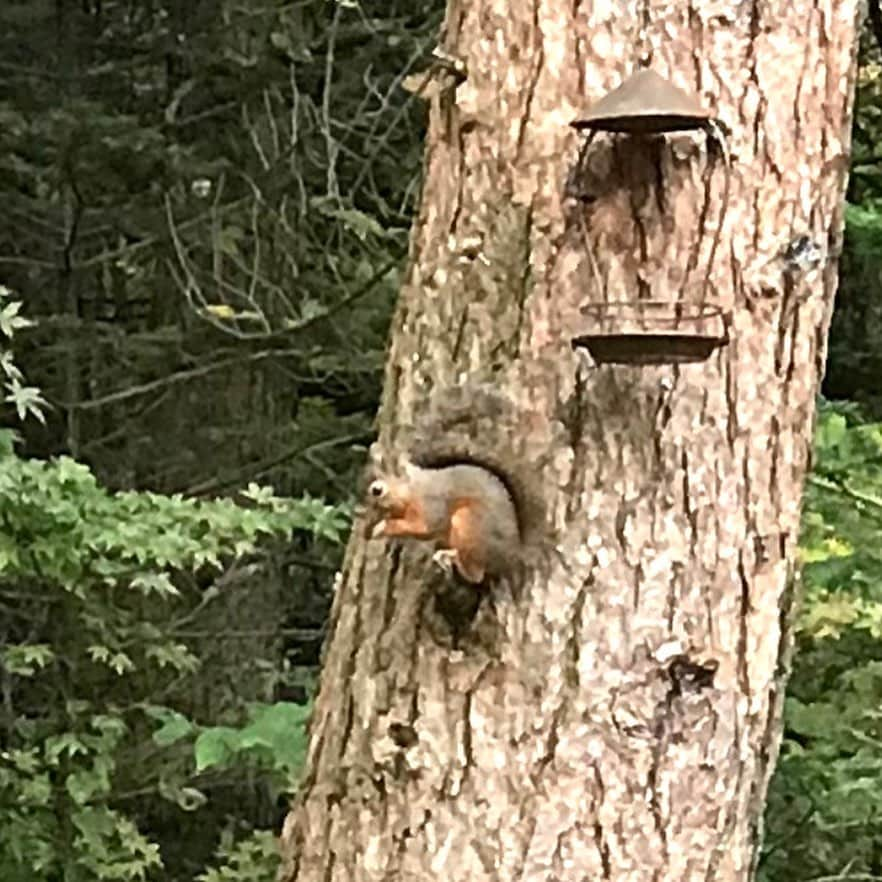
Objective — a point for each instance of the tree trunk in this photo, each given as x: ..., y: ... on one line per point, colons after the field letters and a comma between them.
x: 620, y: 718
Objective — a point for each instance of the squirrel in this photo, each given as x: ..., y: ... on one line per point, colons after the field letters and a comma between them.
x: 479, y: 502
x: 465, y: 509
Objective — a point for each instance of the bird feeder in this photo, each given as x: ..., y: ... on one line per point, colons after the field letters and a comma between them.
x: 652, y: 331
x: 646, y: 332
x: 645, y: 104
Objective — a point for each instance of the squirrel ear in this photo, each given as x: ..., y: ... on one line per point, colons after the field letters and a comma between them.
x: 409, y: 468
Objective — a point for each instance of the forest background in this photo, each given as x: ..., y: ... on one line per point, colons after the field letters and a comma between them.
x: 206, y: 209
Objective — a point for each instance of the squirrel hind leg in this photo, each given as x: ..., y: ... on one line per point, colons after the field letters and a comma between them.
x: 465, y: 539
x: 470, y: 569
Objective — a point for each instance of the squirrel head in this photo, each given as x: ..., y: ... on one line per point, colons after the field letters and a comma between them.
x: 389, y: 493
x: 379, y: 491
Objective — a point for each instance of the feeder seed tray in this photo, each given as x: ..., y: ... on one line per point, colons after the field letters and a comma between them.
x: 645, y: 104
x: 651, y: 332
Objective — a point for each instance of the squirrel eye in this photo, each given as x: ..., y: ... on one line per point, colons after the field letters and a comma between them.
x: 378, y: 488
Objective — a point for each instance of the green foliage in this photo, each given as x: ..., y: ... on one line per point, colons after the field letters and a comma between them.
x: 824, y: 814
x: 26, y: 399
x: 206, y: 206
x: 254, y: 858
x: 825, y: 805
x: 79, y: 530
x: 866, y: 184
x: 274, y: 737
x: 843, y: 518
x: 855, y: 362
x: 97, y: 575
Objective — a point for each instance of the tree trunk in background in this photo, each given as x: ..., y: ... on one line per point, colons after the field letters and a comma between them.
x: 621, y: 721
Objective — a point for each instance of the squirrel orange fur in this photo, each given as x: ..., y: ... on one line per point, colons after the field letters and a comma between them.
x: 465, y: 510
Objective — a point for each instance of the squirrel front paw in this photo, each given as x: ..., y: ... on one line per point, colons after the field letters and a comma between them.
x: 378, y: 529
x: 445, y: 558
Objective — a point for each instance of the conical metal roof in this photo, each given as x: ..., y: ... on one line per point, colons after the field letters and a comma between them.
x: 645, y: 103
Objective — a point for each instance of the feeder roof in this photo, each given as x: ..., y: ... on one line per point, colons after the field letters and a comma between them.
x: 645, y: 103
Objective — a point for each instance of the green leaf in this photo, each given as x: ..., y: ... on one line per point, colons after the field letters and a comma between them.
x: 66, y: 743
x: 175, y: 727
x: 215, y: 746
x: 831, y: 432
x: 173, y: 655
x: 155, y: 583
x: 27, y: 400
x: 26, y: 659
x: 827, y: 549
x: 87, y: 784
x: 276, y: 732
x: 10, y: 320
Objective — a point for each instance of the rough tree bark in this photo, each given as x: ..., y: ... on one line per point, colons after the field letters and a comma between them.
x: 620, y: 719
